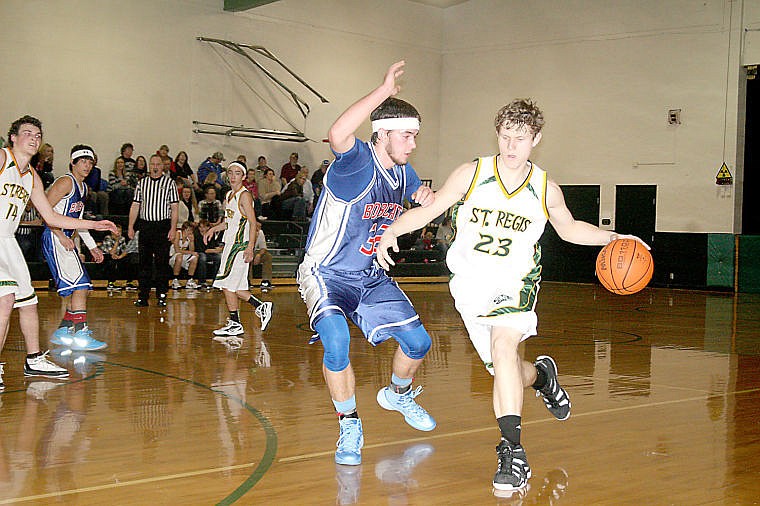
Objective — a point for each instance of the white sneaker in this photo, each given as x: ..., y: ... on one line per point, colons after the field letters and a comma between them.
x: 232, y: 328
x: 2, y: 385
x: 39, y: 389
x: 41, y: 366
x: 192, y: 285
x: 232, y: 343
x: 264, y: 311
x: 175, y: 284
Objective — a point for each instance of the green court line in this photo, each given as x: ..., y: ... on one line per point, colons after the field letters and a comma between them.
x: 271, y: 434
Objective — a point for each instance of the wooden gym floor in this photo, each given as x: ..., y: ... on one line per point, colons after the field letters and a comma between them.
x: 665, y: 386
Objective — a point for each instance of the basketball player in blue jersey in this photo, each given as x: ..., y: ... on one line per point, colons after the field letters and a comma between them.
x: 502, y: 204
x: 364, y: 190
x: 19, y: 184
x: 67, y: 195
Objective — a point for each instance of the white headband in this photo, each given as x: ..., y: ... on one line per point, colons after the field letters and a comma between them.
x: 238, y: 164
x: 396, y: 124
x: 82, y: 152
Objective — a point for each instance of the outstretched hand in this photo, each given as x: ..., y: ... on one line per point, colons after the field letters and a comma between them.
x: 105, y: 225
x: 387, y: 241
x: 394, y: 72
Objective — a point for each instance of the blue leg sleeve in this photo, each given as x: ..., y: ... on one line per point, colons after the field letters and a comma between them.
x: 414, y: 343
x: 333, y: 333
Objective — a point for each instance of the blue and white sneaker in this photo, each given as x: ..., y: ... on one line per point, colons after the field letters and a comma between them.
x: 82, y: 340
x: 62, y: 336
x: 414, y: 414
x: 350, y: 442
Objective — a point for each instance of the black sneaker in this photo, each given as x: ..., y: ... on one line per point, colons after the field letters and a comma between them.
x: 141, y: 303
x: 512, y: 471
x: 555, y: 397
x: 266, y: 285
x: 161, y: 300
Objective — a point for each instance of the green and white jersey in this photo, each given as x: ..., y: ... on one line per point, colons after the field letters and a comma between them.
x: 15, y: 190
x: 495, y: 256
x: 237, y: 223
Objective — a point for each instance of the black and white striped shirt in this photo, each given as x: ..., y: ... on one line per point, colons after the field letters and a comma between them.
x: 155, y: 197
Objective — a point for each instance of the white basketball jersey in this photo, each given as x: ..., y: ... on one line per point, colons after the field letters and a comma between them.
x: 15, y: 190
x: 237, y: 223
x: 496, y: 231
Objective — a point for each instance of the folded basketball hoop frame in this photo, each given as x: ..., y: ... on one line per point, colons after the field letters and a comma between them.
x: 248, y: 52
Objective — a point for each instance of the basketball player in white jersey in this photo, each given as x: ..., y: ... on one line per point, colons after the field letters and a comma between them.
x: 502, y: 205
x: 239, y: 227
x: 18, y: 184
x: 67, y: 195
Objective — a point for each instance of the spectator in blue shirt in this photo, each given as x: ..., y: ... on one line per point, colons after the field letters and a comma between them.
x: 210, y: 172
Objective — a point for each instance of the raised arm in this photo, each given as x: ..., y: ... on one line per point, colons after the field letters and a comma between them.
x: 452, y: 191
x: 341, y: 134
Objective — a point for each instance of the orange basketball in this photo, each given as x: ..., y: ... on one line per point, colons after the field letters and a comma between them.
x: 624, y: 266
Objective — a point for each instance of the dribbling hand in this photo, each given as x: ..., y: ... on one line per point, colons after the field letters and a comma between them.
x: 628, y: 236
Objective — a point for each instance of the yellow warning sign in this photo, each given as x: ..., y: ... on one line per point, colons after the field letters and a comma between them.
x: 724, y: 176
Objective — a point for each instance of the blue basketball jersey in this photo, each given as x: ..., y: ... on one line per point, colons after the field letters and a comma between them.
x: 72, y: 204
x: 359, y: 201
x: 66, y: 268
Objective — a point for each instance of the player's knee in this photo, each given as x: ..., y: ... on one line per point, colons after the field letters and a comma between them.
x: 335, y: 338
x: 415, y: 343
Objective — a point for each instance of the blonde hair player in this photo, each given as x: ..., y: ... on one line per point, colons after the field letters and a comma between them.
x: 21, y: 184
x: 239, y: 225
x: 502, y: 204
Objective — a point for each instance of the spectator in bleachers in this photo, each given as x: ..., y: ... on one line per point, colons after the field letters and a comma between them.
x: 444, y: 235
x: 121, y: 192
x: 260, y: 168
x: 126, y: 151
x: 252, y: 186
x: 308, y: 190
x: 97, y: 197
x: 163, y: 152
x: 117, y: 265
x: 210, y: 208
x: 211, y: 170
x: 290, y: 170
x: 182, y: 173
x: 188, y: 205
x: 317, y: 179
x: 262, y: 256
x: 28, y: 233
x: 141, y: 168
x: 269, y: 188
x: 209, y: 253
x: 243, y: 160
x: 293, y: 203
x: 42, y: 161
x: 182, y: 255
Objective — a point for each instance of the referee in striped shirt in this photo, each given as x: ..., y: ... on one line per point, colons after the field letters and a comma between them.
x: 155, y: 204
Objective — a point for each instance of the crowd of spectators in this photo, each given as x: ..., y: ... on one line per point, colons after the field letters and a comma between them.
x: 290, y: 196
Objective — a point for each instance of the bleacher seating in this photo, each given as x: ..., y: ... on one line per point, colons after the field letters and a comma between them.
x: 286, y: 241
